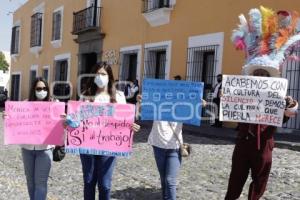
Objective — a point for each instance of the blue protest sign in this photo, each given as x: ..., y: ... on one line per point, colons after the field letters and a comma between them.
x: 169, y: 100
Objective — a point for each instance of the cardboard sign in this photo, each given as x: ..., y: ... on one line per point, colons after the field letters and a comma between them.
x: 104, y: 129
x: 253, y: 99
x: 32, y: 122
x: 168, y: 100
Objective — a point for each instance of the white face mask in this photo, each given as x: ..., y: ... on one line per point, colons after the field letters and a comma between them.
x: 41, y: 95
x: 101, y: 81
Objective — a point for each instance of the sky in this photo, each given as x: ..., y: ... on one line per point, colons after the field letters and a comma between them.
x: 6, y: 20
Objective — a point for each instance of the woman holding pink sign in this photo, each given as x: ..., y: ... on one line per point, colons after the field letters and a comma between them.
x: 37, y: 159
x: 98, y: 169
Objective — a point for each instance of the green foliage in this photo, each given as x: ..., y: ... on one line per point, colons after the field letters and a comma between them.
x: 3, y: 63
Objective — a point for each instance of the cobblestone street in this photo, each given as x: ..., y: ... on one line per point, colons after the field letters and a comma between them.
x: 203, y: 176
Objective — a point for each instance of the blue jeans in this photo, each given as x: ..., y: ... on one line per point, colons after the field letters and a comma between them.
x: 168, y: 162
x: 97, y: 169
x: 37, y: 164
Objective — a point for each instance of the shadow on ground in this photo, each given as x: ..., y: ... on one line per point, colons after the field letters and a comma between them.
x: 137, y: 194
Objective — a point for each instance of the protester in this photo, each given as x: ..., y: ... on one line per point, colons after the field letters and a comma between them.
x: 216, y: 100
x: 165, y: 138
x: 37, y: 159
x: 177, y: 77
x: 98, y: 169
x: 127, y: 91
x: 134, y: 91
x: 254, y: 144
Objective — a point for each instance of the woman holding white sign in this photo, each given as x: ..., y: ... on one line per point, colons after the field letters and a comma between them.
x: 266, y: 49
x: 98, y: 169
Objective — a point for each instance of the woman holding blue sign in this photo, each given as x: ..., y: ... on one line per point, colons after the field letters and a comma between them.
x: 167, y: 142
x: 266, y: 51
x: 98, y: 169
x: 165, y: 138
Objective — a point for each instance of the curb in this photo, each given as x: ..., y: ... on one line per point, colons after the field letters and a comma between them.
x: 229, y: 136
x: 287, y: 145
x: 282, y: 140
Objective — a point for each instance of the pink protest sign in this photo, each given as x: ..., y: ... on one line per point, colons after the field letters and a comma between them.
x: 29, y: 122
x: 105, y: 129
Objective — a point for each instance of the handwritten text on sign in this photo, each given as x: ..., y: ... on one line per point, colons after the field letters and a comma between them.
x: 105, y: 129
x: 168, y: 100
x: 37, y: 123
x: 253, y: 99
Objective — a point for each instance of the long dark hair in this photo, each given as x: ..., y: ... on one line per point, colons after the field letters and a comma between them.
x: 32, y: 96
x: 91, y: 88
x: 136, y: 82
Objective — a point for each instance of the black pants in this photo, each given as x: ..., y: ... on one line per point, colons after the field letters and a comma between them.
x: 218, y: 123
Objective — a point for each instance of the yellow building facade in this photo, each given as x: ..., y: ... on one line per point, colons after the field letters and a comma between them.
x: 185, y: 34
x: 191, y: 38
x: 45, y: 43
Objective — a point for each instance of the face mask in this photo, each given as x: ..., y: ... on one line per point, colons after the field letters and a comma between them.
x: 219, y: 80
x: 101, y: 81
x: 40, y: 95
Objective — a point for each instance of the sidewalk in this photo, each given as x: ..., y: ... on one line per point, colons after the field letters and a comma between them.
x: 282, y: 140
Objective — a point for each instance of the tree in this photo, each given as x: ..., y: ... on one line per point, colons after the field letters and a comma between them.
x: 3, y: 63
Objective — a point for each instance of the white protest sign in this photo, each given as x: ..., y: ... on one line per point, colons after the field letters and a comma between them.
x: 253, y: 99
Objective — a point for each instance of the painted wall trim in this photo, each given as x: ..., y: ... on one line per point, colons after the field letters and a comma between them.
x: 138, y: 48
x: 210, y: 39
x: 58, y: 43
x: 168, y: 54
x: 15, y: 56
x: 20, y: 83
x: 49, y: 75
x: 35, y: 68
x: 158, y: 17
x: 88, y: 3
x: 65, y: 56
x: 39, y: 9
x: 131, y: 48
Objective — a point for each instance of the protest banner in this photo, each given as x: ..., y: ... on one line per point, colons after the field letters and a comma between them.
x: 32, y: 122
x: 104, y: 129
x: 170, y: 100
x: 253, y: 99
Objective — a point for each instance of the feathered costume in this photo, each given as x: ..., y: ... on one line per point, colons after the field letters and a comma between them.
x: 268, y: 39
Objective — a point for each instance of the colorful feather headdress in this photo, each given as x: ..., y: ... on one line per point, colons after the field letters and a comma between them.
x: 268, y: 39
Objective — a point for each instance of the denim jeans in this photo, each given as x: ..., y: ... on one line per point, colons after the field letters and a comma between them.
x: 168, y: 162
x: 37, y: 164
x: 97, y: 170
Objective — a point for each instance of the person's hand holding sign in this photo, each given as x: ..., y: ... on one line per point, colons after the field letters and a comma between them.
x: 63, y: 117
x: 204, y: 103
x: 291, y: 107
x: 4, y: 115
x: 135, y: 127
x: 138, y: 106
